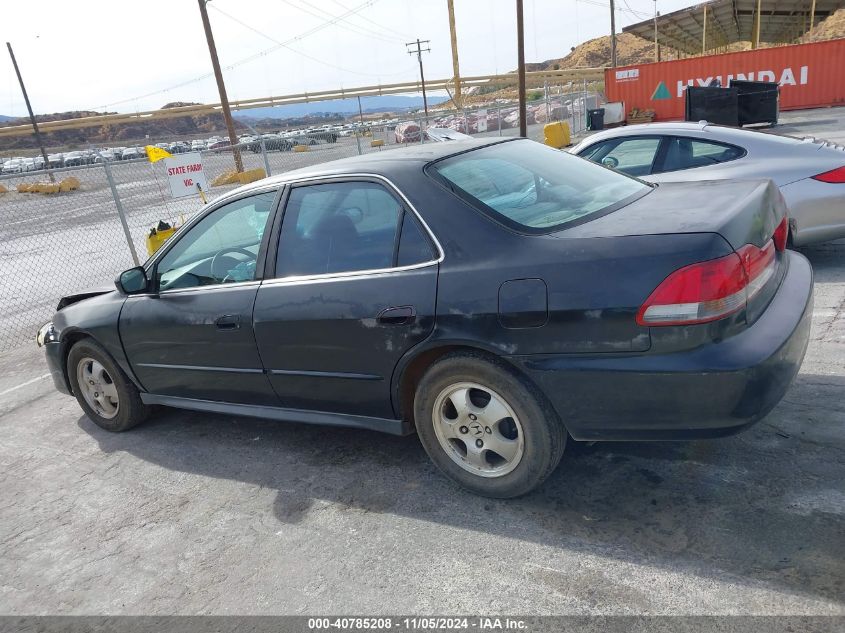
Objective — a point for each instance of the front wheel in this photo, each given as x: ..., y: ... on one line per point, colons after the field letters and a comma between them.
x: 104, y: 392
x: 486, y: 427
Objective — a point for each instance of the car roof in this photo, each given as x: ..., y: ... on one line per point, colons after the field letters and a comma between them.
x: 382, y: 163
x: 701, y: 129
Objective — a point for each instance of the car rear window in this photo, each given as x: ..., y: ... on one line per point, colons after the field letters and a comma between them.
x: 534, y: 188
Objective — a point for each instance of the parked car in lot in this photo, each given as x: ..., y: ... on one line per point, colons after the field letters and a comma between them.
x: 74, y: 159
x: 105, y: 154
x: 178, y: 148
x: 132, y: 153
x: 496, y: 297
x: 221, y: 146
x: 13, y: 166
x: 810, y: 173
x: 272, y: 142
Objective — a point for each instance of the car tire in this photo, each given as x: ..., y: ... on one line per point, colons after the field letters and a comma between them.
x: 486, y: 427
x: 107, y: 396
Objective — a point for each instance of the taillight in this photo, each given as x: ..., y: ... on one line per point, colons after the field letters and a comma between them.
x: 710, y: 290
x: 836, y: 176
x: 781, y: 234
x: 759, y: 265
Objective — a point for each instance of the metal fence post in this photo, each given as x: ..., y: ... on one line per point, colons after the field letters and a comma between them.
x: 548, y: 107
x: 264, y: 154
x: 358, y: 141
x: 121, y: 213
x: 499, y: 118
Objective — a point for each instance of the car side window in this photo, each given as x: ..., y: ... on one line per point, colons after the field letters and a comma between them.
x: 221, y: 248
x: 633, y: 156
x: 338, y: 227
x: 689, y: 153
x: 414, y: 245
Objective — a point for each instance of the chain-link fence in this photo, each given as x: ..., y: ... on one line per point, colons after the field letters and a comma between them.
x: 55, y: 244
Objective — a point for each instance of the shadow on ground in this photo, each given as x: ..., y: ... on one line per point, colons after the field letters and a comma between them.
x: 765, y: 506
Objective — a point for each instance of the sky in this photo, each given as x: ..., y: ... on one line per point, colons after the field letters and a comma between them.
x: 127, y: 56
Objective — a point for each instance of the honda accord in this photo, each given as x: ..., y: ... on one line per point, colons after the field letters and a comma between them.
x: 495, y: 297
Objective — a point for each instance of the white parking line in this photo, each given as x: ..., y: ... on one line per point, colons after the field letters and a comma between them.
x: 24, y: 384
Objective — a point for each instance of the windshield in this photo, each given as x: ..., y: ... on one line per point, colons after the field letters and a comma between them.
x: 536, y: 188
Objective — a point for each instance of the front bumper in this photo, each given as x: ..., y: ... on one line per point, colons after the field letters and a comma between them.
x: 54, y: 353
x: 714, y: 390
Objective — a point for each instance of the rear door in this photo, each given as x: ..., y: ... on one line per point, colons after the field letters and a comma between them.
x: 632, y: 155
x: 680, y: 153
x: 354, y: 287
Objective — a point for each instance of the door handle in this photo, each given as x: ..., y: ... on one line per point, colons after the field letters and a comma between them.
x: 400, y: 315
x: 228, y: 322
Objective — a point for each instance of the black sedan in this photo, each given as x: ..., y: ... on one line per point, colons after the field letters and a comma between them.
x: 495, y: 297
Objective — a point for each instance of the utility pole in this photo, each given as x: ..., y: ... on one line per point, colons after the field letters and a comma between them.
x: 418, y: 52
x: 520, y: 54
x: 612, y: 33
x: 221, y: 87
x: 31, y: 115
x: 656, y: 45
x: 455, y: 67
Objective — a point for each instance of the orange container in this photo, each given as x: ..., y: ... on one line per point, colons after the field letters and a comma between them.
x: 810, y: 76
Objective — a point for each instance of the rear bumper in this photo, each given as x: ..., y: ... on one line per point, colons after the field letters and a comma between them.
x: 714, y: 390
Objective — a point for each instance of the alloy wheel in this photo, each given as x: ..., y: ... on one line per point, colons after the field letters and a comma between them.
x: 478, y: 429
x: 97, y: 387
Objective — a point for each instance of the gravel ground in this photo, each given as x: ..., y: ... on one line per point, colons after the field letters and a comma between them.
x: 204, y: 514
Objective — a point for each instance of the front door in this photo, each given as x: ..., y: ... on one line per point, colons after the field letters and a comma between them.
x: 355, y: 288
x: 192, y: 337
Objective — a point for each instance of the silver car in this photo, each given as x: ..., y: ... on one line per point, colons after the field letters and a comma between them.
x: 810, y: 173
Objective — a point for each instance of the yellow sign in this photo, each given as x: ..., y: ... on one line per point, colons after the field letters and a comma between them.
x: 156, y: 153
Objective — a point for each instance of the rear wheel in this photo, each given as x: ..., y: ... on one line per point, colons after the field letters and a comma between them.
x: 486, y: 427
x: 103, y: 391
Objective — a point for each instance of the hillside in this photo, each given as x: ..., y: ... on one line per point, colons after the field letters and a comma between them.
x: 594, y: 53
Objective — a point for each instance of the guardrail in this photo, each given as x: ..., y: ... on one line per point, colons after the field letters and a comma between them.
x: 533, y: 79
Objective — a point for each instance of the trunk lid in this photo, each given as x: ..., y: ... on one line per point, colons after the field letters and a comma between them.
x: 741, y: 211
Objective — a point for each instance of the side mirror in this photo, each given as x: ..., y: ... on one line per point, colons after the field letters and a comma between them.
x: 133, y: 281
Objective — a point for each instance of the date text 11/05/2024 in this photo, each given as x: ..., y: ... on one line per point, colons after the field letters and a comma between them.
x: 417, y: 624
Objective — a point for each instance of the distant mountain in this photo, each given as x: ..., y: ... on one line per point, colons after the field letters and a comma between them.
x: 385, y: 103
x: 3, y: 117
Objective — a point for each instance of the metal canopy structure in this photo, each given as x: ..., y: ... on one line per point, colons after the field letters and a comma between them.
x: 720, y: 23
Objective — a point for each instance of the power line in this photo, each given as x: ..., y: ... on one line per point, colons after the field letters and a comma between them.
x: 370, y: 20
x: 302, y: 53
x: 243, y: 61
x: 634, y: 11
x: 343, y: 23
x: 630, y: 11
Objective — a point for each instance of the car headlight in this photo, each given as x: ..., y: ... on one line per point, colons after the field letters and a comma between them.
x: 46, y: 334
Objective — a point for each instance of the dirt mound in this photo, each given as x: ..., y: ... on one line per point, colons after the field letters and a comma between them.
x: 595, y: 53
x: 831, y: 29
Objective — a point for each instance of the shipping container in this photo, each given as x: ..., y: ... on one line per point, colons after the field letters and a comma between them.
x: 810, y: 76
